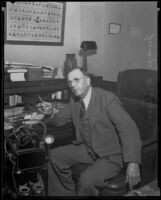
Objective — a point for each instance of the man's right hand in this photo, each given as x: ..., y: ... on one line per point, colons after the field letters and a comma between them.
x: 45, y: 107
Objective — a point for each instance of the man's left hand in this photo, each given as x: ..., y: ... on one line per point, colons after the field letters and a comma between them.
x: 133, y: 174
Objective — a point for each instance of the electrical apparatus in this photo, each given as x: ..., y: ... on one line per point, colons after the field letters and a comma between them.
x: 25, y: 149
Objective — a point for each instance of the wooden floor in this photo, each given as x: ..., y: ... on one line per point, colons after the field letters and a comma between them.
x: 151, y: 189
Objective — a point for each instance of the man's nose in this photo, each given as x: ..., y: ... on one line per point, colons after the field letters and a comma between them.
x: 72, y: 84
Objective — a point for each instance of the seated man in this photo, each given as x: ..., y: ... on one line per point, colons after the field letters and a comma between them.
x: 106, y: 138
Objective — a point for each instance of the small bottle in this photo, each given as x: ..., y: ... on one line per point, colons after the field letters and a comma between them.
x: 69, y: 63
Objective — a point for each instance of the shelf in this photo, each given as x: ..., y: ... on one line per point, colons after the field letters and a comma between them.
x: 25, y: 87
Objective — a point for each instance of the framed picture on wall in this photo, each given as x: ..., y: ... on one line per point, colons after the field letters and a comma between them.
x: 35, y: 23
x: 114, y: 28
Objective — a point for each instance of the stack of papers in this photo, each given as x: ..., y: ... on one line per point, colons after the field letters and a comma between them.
x: 13, y: 111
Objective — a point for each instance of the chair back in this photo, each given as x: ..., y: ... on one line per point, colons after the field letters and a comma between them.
x: 140, y: 84
x: 137, y: 90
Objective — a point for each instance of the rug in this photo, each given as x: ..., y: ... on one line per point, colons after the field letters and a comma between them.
x: 151, y: 189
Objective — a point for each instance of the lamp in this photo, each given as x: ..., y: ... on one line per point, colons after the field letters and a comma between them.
x: 49, y: 139
x: 86, y: 46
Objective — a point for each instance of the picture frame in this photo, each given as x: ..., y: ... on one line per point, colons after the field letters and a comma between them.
x: 114, y: 28
x: 35, y: 23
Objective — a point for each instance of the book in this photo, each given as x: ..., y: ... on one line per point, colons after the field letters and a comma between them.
x: 20, y: 76
x: 17, y: 63
x: 20, y: 70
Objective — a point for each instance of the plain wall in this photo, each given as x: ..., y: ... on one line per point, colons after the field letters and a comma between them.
x: 134, y: 47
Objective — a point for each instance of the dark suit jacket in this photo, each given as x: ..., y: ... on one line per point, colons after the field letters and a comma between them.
x: 112, y: 130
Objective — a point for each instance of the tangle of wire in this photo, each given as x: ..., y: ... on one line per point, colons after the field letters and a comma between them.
x: 10, y: 155
x: 19, y: 128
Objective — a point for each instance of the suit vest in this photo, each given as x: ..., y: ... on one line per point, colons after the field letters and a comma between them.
x: 85, y: 133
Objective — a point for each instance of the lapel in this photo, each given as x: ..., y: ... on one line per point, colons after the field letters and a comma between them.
x: 75, y: 112
x: 92, y: 112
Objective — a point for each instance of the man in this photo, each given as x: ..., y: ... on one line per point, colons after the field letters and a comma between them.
x: 106, y: 138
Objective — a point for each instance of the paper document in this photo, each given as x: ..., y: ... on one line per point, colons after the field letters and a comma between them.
x: 17, y: 76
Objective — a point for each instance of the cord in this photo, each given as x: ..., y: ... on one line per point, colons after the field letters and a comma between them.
x: 5, y: 141
x: 10, y: 157
x: 44, y: 128
x: 14, y: 182
x: 26, y: 128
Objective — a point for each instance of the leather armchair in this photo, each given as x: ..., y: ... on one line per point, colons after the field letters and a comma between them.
x: 137, y: 90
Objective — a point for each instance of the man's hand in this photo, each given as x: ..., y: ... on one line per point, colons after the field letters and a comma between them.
x: 133, y: 174
x: 45, y: 107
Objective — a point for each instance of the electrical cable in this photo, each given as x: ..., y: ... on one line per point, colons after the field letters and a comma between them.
x: 10, y: 158
x: 13, y: 178
x: 13, y: 133
x: 25, y: 127
x: 10, y: 155
x: 44, y: 129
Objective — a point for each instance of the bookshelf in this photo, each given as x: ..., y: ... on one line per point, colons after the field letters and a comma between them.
x: 22, y: 87
x: 28, y: 88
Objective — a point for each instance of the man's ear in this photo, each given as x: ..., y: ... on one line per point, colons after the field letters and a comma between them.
x: 88, y: 81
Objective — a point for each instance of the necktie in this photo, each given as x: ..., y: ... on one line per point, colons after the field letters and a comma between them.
x: 85, y: 137
x: 82, y: 110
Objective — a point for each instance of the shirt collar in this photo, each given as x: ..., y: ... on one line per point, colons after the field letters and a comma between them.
x: 87, y: 98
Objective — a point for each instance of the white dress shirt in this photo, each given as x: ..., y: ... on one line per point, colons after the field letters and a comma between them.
x: 87, y: 98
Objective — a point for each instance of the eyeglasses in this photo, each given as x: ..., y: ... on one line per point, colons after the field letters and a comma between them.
x: 75, y: 80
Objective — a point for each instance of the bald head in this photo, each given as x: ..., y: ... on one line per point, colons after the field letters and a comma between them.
x: 80, y: 69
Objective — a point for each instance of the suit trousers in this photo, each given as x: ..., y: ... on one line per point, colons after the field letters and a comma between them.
x: 60, y: 182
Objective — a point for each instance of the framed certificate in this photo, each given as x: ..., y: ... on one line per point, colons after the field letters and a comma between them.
x: 35, y: 23
x: 114, y: 28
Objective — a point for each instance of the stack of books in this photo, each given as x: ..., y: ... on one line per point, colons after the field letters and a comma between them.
x: 16, y: 71
x: 25, y: 71
x: 47, y: 72
x: 17, y: 74
x: 15, y: 100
